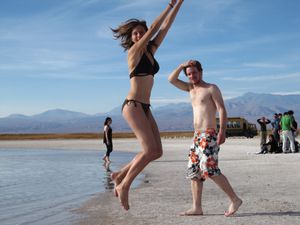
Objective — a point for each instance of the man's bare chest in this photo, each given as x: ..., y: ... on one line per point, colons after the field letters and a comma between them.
x: 200, y: 97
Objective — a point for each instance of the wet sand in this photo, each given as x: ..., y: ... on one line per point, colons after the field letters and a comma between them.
x: 268, y: 185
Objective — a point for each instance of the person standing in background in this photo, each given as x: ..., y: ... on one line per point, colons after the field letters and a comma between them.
x: 287, y: 134
x: 107, y: 139
x: 294, y: 123
x: 276, y: 127
x: 263, y: 130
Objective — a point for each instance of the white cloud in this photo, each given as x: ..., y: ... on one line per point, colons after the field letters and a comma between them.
x: 286, y: 93
x: 264, y: 77
x: 170, y: 100
x: 264, y: 65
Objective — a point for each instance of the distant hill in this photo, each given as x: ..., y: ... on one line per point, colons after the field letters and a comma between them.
x: 59, y: 115
x: 253, y: 106
x: 170, y: 117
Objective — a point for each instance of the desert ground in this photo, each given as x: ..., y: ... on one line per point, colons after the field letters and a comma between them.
x: 268, y: 185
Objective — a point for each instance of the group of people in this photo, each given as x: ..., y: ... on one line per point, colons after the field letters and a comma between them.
x: 284, y: 131
x: 141, y: 43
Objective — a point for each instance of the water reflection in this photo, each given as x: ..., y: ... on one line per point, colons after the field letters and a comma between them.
x: 40, y: 186
x: 107, y: 181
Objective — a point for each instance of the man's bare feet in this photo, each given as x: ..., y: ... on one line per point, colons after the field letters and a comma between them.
x: 233, y: 207
x: 123, y: 196
x: 192, y: 212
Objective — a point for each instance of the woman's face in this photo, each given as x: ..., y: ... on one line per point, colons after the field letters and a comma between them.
x: 270, y: 138
x: 137, y: 33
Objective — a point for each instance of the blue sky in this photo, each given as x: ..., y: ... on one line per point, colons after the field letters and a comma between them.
x: 61, y: 53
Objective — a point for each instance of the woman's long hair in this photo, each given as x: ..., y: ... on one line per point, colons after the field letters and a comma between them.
x: 124, y: 31
x: 107, y: 120
x: 273, y: 138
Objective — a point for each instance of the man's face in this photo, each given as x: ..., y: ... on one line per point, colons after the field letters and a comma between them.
x: 194, y: 75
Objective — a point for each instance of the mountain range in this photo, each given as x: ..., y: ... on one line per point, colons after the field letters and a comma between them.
x: 171, y: 117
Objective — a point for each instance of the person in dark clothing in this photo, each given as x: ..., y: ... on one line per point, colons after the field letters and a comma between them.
x: 263, y: 128
x: 270, y: 147
x: 276, y: 127
x: 294, y: 122
x: 107, y: 139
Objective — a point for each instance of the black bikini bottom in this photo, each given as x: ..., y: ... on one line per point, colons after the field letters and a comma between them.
x: 144, y: 105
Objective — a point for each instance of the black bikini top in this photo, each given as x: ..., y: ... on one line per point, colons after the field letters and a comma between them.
x: 145, y: 67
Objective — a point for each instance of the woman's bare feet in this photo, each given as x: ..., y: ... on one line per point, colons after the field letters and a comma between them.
x: 117, y: 180
x: 233, y: 207
x: 192, y: 212
x: 123, y: 196
x: 114, y: 176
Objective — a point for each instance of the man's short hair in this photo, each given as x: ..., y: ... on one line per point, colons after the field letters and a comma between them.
x: 194, y: 63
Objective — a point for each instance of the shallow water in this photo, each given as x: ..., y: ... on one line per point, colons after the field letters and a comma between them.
x: 41, y: 186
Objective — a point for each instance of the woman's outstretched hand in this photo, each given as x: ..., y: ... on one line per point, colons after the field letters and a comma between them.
x: 173, y: 2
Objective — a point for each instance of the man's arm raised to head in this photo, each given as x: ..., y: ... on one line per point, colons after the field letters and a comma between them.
x: 173, y: 78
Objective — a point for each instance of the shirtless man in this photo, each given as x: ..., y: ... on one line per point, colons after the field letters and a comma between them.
x: 206, y: 100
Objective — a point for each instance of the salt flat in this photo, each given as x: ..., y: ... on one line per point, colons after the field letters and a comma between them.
x: 268, y: 185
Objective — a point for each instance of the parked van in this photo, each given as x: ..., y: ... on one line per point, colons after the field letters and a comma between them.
x: 238, y: 126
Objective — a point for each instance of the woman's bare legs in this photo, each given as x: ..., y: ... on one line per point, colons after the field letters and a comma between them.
x: 117, y: 177
x: 147, y: 133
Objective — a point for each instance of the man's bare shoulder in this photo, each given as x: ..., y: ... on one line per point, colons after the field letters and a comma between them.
x: 207, y: 87
x: 201, y: 85
x: 213, y: 87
